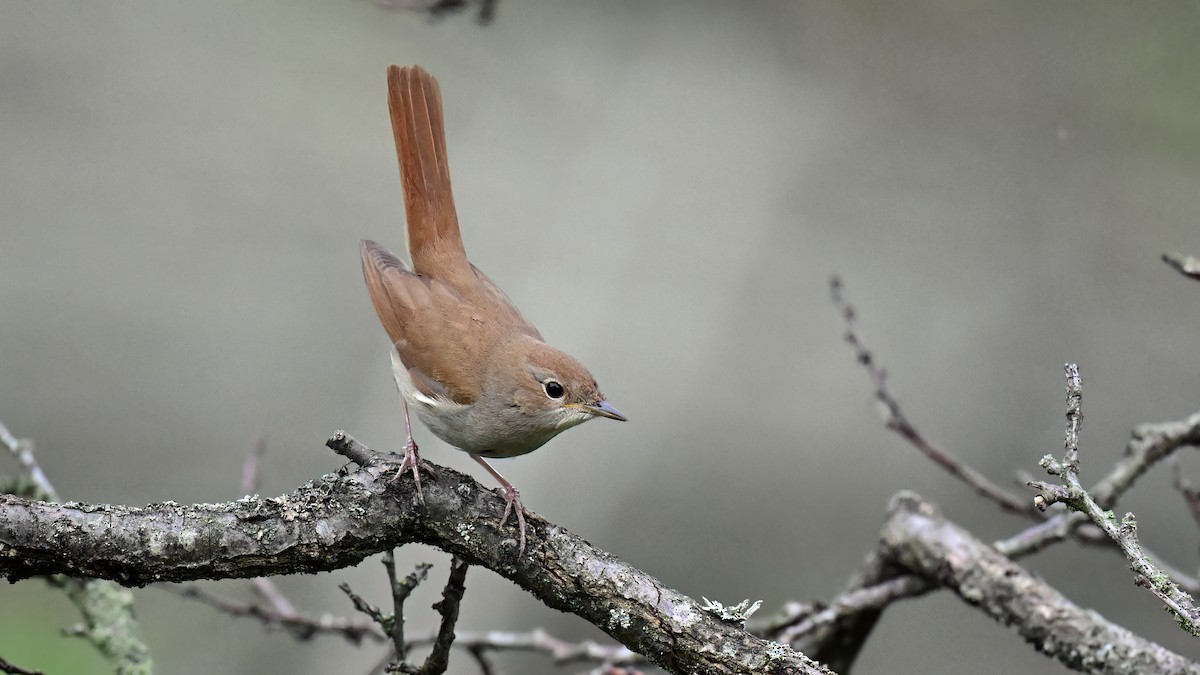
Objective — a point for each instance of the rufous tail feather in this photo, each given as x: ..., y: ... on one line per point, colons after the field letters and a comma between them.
x: 434, y: 241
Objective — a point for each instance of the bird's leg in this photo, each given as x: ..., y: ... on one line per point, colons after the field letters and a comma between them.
x: 513, y: 503
x: 411, y: 458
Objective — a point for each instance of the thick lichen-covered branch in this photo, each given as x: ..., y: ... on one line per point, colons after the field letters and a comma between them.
x: 342, y: 518
x: 924, y: 543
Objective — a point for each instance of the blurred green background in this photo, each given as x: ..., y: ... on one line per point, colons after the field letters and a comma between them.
x: 664, y: 189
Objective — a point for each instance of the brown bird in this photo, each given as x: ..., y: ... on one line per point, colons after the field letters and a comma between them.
x: 476, y: 372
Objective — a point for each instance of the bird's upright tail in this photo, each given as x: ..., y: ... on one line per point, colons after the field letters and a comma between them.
x: 434, y: 241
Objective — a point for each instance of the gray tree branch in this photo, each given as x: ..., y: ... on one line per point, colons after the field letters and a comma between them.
x: 920, y: 540
x: 344, y: 517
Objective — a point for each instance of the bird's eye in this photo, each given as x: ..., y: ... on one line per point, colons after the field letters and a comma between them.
x: 553, y: 389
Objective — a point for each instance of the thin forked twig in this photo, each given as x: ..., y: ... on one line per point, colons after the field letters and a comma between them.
x: 401, y: 589
x: 296, y: 624
x: 1150, y: 444
x: 899, y: 423
x: 304, y: 627
x: 1072, y: 493
x: 376, y: 614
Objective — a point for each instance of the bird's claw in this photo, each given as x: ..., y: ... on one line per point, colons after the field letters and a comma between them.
x: 512, y: 499
x: 411, y: 460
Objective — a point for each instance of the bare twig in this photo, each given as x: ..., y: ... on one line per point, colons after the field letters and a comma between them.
x: 251, y: 478
x: 297, y: 625
x: 539, y: 641
x: 1074, y: 418
x: 1185, y: 265
x: 858, y: 600
x: 304, y: 628
x: 1149, y: 444
x: 22, y: 449
x: 1072, y: 493
x: 347, y: 446
x: 1041, y: 535
x: 452, y: 595
x: 899, y: 423
x: 478, y: 645
x: 267, y: 590
x: 401, y: 589
x: 376, y: 614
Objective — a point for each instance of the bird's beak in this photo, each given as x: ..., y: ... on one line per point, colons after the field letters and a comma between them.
x: 603, y: 409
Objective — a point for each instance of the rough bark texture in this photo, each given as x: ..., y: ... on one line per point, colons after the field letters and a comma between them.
x: 342, y: 518
x: 923, y: 542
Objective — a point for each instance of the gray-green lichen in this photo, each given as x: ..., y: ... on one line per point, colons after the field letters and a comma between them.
x: 732, y: 613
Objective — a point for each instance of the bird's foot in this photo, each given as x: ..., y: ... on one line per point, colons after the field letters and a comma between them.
x: 512, y: 499
x: 411, y: 460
